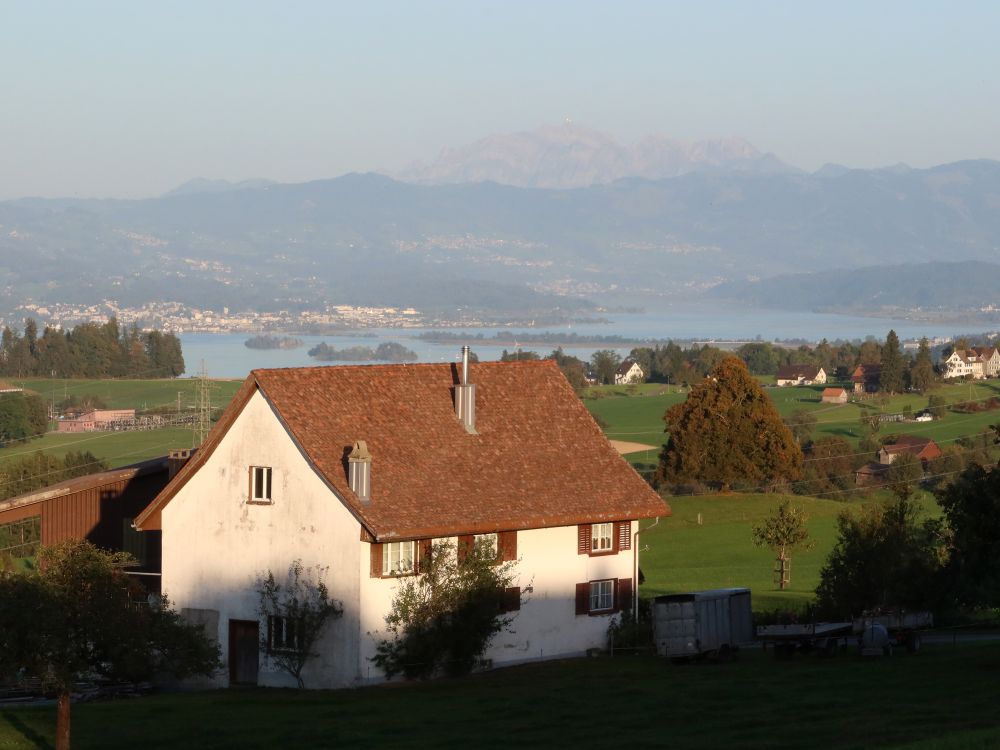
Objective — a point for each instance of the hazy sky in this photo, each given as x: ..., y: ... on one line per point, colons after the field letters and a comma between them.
x: 130, y: 99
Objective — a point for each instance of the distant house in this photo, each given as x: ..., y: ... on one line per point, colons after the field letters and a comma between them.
x: 871, y: 473
x: 990, y: 358
x: 965, y: 363
x: 866, y: 378
x: 629, y: 372
x: 834, y: 396
x: 923, y: 448
x: 8, y: 388
x: 94, y: 420
x: 801, y: 375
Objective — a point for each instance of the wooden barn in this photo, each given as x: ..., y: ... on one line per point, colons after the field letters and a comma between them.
x: 97, y: 507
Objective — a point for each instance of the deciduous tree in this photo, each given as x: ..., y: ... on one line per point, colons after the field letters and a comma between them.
x: 783, y: 532
x: 728, y: 431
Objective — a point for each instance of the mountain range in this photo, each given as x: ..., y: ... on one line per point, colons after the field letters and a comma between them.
x: 502, y: 249
x: 569, y: 156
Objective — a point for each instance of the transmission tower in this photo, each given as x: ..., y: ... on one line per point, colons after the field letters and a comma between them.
x: 203, y: 421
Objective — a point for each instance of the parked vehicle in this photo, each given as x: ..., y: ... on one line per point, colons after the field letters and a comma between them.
x: 807, y: 636
x: 702, y: 623
x: 900, y: 628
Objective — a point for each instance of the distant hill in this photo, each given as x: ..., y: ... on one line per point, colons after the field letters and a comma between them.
x: 203, y: 185
x: 570, y: 156
x: 933, y: 286
x: 368, y: 239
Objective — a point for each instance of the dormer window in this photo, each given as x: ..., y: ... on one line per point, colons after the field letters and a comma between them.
x: 260, y: 484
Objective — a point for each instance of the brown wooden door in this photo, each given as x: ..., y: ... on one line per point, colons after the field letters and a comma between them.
x: 244, y: 652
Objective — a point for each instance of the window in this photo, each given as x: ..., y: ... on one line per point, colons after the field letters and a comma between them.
x: 260, y: 484
x: 398, y: 558
x: 602, y: 595
x: 282, y: 634
x: 488, y: 539
x: 602, y: 537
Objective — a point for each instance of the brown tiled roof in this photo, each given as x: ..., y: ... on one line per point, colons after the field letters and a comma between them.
x: 538, y: 458
x: 833, y: 392
x: 625, y: 366
x: 919, y: 446
x: 794, y: 372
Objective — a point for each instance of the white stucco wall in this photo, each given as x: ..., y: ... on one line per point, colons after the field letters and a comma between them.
x: 215, y: 544
x: 546, y: 626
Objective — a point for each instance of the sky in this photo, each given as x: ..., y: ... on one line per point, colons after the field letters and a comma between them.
x: 130, y: 99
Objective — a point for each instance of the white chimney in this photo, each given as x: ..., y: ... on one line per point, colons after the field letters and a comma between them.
x: 359, y: 471
x: 465, y: 397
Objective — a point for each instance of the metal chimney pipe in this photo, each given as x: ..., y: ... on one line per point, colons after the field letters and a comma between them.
x: 465, y: 396
x: 465, y: 365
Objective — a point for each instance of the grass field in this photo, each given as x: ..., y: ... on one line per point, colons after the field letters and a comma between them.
x: 944, y: 697
x: 121, y: 448
x: 684, y: 555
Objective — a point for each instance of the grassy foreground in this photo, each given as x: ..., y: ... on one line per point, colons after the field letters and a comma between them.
x: 944, y: 697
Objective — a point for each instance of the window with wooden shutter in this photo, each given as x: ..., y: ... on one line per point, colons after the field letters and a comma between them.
x: 507, y: 543
x: 583, y: 598
x: 624, y: 534
x: 511, y: 599
x: 583, y: 539
x: 376, y: 561
x: 624, y: 594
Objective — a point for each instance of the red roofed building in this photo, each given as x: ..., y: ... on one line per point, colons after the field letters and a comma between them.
x: 923, y: 448
x: 359, y: 469
x: 834, y: 396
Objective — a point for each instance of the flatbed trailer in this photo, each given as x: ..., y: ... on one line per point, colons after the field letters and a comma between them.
x: 903, y: 628
x: 785, y: 640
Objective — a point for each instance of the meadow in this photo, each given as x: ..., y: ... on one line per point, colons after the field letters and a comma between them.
x: 943, y: 698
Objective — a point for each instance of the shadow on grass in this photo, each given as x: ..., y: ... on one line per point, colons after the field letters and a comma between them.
x: 27, y: 732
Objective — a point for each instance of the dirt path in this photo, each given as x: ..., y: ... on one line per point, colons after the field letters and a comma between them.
x: 624, y: 447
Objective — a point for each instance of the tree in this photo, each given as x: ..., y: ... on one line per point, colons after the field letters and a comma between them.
x: 572, y: 368
x: 295, y: 614
x: 728, y: 431
x: 937, y: 406
x: 971, y: 504
x: 828, y: 467
x: 922, y: 375
x: 760, y: 357
x: 903, y: 475
x: 79, y: 615
x: 783, y: 533
x: 891, y: 374
x: 446, y: 618
x: 884, y: 557
x: 605, y: 363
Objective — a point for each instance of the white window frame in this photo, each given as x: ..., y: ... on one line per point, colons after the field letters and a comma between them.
x: 278, y: 625
x: 602, y: 595
x: 261, y: 484
x: 397, y: 550
x: 602, y: 537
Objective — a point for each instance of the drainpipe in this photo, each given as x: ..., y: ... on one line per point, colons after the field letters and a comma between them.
x: 635, y: 565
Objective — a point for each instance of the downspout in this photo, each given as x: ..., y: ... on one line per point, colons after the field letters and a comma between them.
x: 635, y: 565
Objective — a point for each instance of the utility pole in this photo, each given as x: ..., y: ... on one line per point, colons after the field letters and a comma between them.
x: 203, y: 422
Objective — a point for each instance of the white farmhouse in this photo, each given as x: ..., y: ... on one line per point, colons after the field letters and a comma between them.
x: 965, y: 363
x: 358, y: 469
x: 629, y: 372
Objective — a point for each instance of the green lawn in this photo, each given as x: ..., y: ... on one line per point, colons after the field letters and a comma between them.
x: 117, y: 448
x: 137, y: 394
x: 944, y: 698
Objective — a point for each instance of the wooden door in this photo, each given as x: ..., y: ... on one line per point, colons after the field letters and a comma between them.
x: 244, y: 652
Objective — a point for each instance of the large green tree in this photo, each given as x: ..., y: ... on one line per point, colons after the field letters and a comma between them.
x: 728, y: 432
x: 605, y: 363
x: 80, y: 616
x: 922, y: 374
x: 891, y: 375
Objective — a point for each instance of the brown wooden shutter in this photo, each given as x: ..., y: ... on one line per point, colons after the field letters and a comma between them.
x: 623, y: 530
x: 376, y: 561
x: 465, y: 543
x: 624, y: 594
x: 424, y: 547
x: 582, y: 598
x: 583, y: 539
x: 512, y: 599
x: 507, y: 545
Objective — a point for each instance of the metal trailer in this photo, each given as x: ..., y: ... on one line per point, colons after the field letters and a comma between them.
x: 822, y: 637
x: 702, y: 623
x: 900, y: 628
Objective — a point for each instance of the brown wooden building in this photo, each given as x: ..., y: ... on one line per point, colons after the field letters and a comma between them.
x: 97, y: 507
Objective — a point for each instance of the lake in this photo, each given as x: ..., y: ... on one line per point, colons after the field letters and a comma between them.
x: 225, y: 356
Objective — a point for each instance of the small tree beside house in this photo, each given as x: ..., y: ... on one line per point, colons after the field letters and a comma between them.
x: 783, y: 533
x: 79, y: 617
x: 294, y: 615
